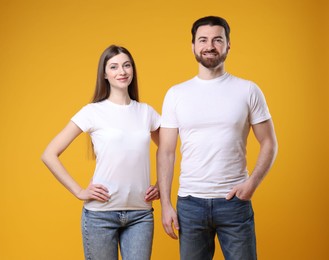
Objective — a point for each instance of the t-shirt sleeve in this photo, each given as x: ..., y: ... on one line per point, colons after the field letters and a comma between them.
x: 259, y: 111
x: 168, y: 117
x: 155, y: 119
x: 83, y: 119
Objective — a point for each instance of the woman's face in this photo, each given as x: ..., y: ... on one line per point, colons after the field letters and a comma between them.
x: 119, y: 71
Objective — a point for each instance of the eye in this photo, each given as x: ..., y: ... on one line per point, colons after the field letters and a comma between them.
x: 218, y: 40
x: 113, y: 67
x: 127, y: 65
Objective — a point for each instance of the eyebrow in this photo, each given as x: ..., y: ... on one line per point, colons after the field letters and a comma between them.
x: 216, y: 37
x: 116, y: 63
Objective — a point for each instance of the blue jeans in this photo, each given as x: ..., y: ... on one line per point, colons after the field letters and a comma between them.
x: 104, y: 231
x: 201, y: 219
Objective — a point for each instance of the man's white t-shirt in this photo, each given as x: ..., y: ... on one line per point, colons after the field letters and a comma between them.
x: 213, y: 118
x: 121, y: 138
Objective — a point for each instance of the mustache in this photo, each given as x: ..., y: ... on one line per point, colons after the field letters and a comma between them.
x: 211, y: 51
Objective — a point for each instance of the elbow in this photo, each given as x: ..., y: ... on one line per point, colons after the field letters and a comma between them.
x: 47, y: 157
x: 162, y: 153
x: 44, y: 158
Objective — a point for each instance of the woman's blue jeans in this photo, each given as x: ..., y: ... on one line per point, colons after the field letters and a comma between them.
x: 104, y: 231
x: 201, y: 219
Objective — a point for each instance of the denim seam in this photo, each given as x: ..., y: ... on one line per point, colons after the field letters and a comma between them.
x: 87, y: 238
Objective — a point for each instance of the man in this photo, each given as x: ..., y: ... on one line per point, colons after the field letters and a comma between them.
x: 213, y: 113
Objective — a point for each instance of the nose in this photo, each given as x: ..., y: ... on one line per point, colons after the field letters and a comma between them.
x: 210, y: 45
x: 122, y: 71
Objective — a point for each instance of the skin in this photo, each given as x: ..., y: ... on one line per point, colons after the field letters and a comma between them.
x: 119, y: 73
x: 210, y: 44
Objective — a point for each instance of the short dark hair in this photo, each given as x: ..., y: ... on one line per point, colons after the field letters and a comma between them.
x: 212, y: 21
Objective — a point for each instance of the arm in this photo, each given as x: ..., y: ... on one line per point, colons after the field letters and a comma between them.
x: 265, y: 135
x: 155, y: 136
x: 165, y: 170
x: 152, y: 193
x: 50, y: 157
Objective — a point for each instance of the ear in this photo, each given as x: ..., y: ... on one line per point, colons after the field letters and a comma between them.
x: 228, y: 45
x: 193, y: 48
x: 105, y: 76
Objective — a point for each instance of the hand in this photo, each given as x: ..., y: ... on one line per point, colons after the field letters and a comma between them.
x: 94, y: 192
x: 152, y: 193
x: 243, y: 191
x: 170, y: 221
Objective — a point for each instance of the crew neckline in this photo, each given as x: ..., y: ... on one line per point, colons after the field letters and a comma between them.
x: 119, y: 105
x: 219, y: 78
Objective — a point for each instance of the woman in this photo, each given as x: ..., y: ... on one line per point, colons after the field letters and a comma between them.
x: 118, y: 202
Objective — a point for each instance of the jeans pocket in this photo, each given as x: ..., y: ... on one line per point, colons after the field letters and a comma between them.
x: 242, y: 200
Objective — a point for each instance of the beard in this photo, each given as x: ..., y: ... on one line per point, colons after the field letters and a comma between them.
x: 211, y: 63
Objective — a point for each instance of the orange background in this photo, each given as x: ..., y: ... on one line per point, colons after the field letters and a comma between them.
x: 49, y: 55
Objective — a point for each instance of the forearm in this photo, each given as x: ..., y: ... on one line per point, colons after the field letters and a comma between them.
x: 61, y: 174
x: 265, y: 160
x: 165, y: 171
x: 265, y: 135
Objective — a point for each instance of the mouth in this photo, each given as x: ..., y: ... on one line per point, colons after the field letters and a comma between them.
x: 123, y: 79
x: 209, y: 54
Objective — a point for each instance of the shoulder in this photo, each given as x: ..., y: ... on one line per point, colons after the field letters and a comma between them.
x: 92, y: 108
x: 95, y: 105
x: 140, y: 105
x: 241, y: 84
x: 181, y: 88
x: 143, y: 106
x: 184, y: 84
x: 239, y: 81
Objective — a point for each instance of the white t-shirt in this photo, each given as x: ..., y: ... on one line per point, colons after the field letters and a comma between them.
x: 214, y: 118
x: 121, y: 138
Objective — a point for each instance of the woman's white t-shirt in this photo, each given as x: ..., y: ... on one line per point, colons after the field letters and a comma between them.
x: 121, y: 139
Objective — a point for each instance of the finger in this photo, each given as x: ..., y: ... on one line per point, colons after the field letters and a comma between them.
x: 152, y: 194
x: 150, y: 189
x: 171, y: 232
x: 148, y: 198
x: 101, y: 198
x: 100, y: 194
x: 231, y: 194
x: 151, y: 197
x: 100, y: 186
x: 175, y: 222
x: 170, y: 225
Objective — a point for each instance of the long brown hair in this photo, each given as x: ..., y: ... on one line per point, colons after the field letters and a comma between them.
x: 103, y: 87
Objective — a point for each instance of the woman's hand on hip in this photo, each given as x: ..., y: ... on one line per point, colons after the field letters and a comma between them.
x: 94, y: 192
x: 152, y: 193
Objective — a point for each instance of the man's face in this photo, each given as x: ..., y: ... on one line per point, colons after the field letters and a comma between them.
x: 210, y: 47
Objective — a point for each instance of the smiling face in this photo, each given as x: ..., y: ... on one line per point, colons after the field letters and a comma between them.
x: 119, y: 71
x: 210, y: 47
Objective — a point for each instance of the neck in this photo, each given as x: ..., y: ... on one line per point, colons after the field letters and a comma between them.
x: 206, y: 73
x: 120, y: 98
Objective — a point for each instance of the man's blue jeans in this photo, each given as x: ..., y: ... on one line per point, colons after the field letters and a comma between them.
x: 103, y: 231
x: 201, y: 219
